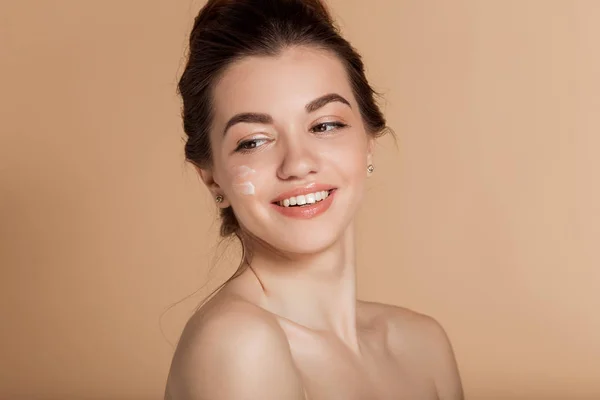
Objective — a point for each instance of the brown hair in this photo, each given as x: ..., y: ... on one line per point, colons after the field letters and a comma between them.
x: 226, y: 31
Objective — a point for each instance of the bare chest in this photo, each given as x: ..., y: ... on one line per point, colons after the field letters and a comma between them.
x: 329, y: 371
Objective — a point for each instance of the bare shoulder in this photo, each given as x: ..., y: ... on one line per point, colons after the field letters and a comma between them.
x: 404, y: 325
x: 233, y: 349
x: 420, y: 337
x: 395, y: 319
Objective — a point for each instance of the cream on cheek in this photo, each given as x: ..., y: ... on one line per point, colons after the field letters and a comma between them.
x: 242, y: 181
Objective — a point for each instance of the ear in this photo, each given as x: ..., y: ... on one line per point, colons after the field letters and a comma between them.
x: 370, y: 147
x: 208, y: 178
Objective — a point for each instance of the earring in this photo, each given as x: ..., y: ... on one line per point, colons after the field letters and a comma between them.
x: 219, y: 199
x: 370, y: 168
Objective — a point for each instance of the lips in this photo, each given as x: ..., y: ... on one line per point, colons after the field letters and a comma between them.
x: 302, y: 200
x: 305, y: 203
x: 312, y: 188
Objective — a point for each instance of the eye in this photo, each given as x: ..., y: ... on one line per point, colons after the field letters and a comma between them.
x: 249, y: 145
x: 327, y: 126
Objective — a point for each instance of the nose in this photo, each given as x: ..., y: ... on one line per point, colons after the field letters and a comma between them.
x: 299, y: 160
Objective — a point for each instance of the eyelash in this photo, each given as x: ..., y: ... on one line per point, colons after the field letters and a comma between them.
x: 334, y: 124
x: 241, y: 149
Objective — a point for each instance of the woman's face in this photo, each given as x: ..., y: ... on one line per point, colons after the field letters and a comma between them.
x: 287, y: 129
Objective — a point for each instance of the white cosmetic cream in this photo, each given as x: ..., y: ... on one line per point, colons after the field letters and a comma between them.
x: 242, y: 183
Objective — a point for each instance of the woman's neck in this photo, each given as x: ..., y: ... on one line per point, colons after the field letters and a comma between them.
x: 316, y: 292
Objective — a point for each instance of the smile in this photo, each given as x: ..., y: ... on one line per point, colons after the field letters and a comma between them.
x: 305, y: 205
x: 304, y: 200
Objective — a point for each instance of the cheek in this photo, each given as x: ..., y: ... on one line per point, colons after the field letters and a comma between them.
x: 246, y: 188
x: 243, y: 180
x: 348, y: 157
x: 248, y: 180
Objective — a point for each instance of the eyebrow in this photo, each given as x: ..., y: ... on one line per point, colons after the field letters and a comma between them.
x: 259, y: 118
x: 323, y: 100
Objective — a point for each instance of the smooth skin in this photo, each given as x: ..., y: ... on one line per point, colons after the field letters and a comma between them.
x: 290, y: 327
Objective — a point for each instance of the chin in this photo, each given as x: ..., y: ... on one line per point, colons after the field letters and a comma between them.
x: 302, y: 236
x: 306, y: 237
x: 300, y: 242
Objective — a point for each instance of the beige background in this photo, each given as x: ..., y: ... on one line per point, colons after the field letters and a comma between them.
x: 486, y: 216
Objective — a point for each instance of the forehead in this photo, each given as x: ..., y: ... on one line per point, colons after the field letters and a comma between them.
x: 273, y: 84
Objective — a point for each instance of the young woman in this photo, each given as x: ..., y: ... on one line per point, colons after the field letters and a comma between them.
x: 281, y: 123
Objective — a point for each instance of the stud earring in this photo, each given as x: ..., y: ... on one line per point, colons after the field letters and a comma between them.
x: 370, y: 168
x: 219, y: 199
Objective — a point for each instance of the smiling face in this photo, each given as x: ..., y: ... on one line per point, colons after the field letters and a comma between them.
x: 287, y: 129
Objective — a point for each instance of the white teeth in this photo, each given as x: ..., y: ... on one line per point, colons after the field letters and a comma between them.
x: 301, y: 200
